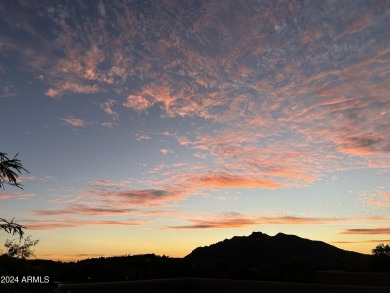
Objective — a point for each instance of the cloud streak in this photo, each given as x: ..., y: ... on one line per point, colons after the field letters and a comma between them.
x: 76, y: 122
x: 238, y: 222
x: 84, y: 210
x: 367, y: 231
x: 225, y: 180
x: 17, y: 195
x: 74, y: 223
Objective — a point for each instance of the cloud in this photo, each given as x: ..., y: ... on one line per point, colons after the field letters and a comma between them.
x: 52, y: 93
x: 165, y: 151
x: 73, y: 87
x: 107, y: 108
x: 102, y: 9
x: 364, y: 241
x: 16, y: 195
x: 379, y: 197
x: 133, y: 197
x: 226, y: 180
x: 360, y: 24
x: 367, y: 231
x: 76, y: 122
x: 237, y: 220
x: 4, y: 196
x: 36, y: 178
x: 108, y: 124
x: 112, y: 185
x: 74, y: 223
x: 141, y: 136
x: 137, y: 103
x: 227, y: 223
x: 84, y: 210
x: 361, y: 145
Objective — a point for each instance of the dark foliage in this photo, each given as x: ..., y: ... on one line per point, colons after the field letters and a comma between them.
x: 16, y: 249
x: 381, y: 250
x: 380, y: 259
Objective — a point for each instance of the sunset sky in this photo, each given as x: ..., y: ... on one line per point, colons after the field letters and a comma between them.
x: 161, y: 126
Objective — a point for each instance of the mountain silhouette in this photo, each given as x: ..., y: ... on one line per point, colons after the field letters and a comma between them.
x: 262, y: 249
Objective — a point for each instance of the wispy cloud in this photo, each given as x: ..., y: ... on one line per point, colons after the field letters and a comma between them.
x: 109, y: 124
x: 107, y: 107
x: 141, y: 136
x: 166, y: 151
x: 72, y: 87
x: 225, y: 223
x: 226, y: 180
x: 84, y: 210
x: 379, y: 197
x: 237, y: 220
x: 363, y: 241
x: 367, y: 231
x: 17, y: 195
x: 76, y: 122
x: 36, y: 178
x: 72, y: 223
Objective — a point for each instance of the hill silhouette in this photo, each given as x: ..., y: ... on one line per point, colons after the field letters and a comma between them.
x: 264, y: 250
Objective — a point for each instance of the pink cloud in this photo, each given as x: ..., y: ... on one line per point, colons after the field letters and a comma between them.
x: 16, y: 195
x: 360, y: 145
x: 378, y: 197
x: 359, y: 24
x: 137, y: 103
x: 165, y: 151
x: 142, y: 136
x: 107, y: 108
x: 52, y: 93
x: 73, y: 87
x: 76, y: 122
x: 226, y: 180
x: 226, y: 223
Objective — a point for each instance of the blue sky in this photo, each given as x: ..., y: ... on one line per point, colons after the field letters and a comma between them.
x: 159, y: 126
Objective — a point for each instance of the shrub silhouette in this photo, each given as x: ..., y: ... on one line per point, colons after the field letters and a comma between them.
x: 380, y: 259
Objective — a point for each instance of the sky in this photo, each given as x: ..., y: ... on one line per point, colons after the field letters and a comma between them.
x: 161, y: 126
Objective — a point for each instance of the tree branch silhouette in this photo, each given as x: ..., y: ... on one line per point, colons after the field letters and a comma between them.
x: 10, y: 169
x: 12, y: 227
